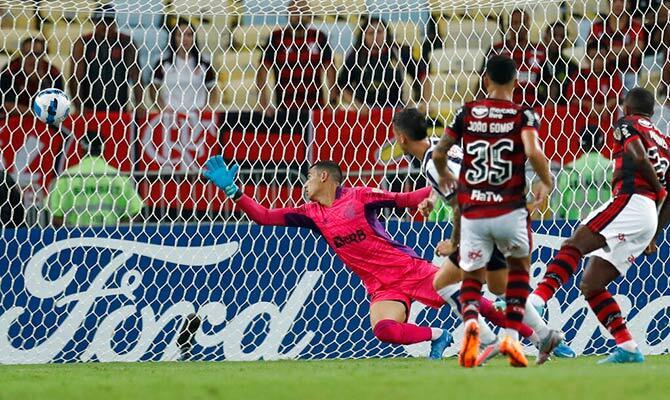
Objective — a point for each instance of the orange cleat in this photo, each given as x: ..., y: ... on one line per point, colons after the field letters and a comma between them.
x: 467, y: 357
x: 513, y: 350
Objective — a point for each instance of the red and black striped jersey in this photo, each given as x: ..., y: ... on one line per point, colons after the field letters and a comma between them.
x: 627, y: 178
x: 492, y: 181
x: 298, y: 62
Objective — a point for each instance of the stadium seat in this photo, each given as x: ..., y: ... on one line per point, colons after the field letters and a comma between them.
x: 53, y: 10
x: 22, y: 18
x: 589, y: 8
x: 454, y: 87
x: 237, y: 65
x: 264, y: 12
x: 61, y: 37
x: 349, y: 10
x: 242, y: 94
x: 251, y: 37
x: 457, y: 60
x: 469, y: 33
x: 11, y: 39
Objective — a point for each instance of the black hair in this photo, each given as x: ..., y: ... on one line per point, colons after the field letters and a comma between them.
x: 331, y: 167
x: 92, y: 143
x: 359, y: 38
x: 640, y: 101
x: 412, y: 123
x: 194, y: 52
x: 592, y: 138
x: 501, y: 69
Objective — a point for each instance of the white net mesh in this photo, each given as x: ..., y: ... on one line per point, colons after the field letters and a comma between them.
x: 111, y: 237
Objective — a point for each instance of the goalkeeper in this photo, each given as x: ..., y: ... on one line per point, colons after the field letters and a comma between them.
x: 393, y: 274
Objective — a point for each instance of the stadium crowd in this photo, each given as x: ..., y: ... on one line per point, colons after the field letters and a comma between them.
x: 580, y: 62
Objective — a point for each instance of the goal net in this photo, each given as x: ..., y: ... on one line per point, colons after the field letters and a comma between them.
x: 111, y: 242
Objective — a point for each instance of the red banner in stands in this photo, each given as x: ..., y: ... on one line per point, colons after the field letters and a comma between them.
x: 29, y: 152
x: 172, y: 149
x: 354, y: 140
x: 560, y: 129
x: 114, y: 128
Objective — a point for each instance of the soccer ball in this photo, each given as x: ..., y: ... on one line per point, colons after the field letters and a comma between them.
x: 51, y: 106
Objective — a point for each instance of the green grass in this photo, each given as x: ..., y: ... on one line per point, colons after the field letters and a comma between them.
x: 344, y: 379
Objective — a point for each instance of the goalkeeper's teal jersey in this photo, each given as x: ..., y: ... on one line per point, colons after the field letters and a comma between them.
x: 583, y: 185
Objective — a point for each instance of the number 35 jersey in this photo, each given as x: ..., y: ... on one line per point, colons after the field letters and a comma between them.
x: 492, y: 180
x: 627, y: 179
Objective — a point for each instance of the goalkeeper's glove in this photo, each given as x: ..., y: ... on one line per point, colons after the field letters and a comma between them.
x: 219, y: 174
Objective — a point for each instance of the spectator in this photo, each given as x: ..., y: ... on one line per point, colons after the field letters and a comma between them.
x: 298, y: 56
x: 92, y: 193
x: 622, y: 38
x: 529, y: 57
x: 595, y: 90
x: 584, y: 184
x: 11, y: 207
x: 372, y: 75
x: 183, y: 80
x: 557, y: 70
x: 655, y: 14
x: 105, y: 68
x: 26, y: 75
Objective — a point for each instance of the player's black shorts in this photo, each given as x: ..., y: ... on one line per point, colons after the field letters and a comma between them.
x: 496, y: 263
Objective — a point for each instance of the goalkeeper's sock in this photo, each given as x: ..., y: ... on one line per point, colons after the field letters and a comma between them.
x: 390, y: 331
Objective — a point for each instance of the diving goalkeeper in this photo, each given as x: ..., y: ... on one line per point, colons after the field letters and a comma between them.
x: 393, y: 274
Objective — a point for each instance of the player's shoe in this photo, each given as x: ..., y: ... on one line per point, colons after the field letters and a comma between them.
x: 438, y: 345
x: 621, y: 356
x: 488, y: 352
x: 467, y: 357
x: 186, y: 336
x: 564, y: 351
x: 548, y: 345
x: 514, y: 352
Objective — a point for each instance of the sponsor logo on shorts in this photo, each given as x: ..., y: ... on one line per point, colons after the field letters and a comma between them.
x: 355, y: 237
x: 621, y: 237
x: 631, y: 259
x: 475, y: 255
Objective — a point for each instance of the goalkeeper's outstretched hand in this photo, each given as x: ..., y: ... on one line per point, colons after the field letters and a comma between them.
x: 219, y: 174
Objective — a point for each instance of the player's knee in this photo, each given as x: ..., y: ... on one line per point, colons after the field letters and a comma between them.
x: 387, y: 330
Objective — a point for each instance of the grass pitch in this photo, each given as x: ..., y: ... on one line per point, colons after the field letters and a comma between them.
x: 342, y: 379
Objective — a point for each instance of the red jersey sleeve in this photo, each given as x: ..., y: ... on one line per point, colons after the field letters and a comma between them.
x: 455, y: 128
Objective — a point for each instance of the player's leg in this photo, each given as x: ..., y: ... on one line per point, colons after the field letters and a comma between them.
x: 598, y: 274
x: 388, y: 319
x: 584, y: 240
x: 476, y: 248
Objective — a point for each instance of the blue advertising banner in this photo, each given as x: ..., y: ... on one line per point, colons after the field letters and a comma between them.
x: 261, y: 293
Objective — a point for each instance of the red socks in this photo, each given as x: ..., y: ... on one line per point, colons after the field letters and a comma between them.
x: 559, y: 271
x: 488, y: 311
x: 471, y: 295
x: 390, y: 331
x: 518, y: 289
x: 609, y: 314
